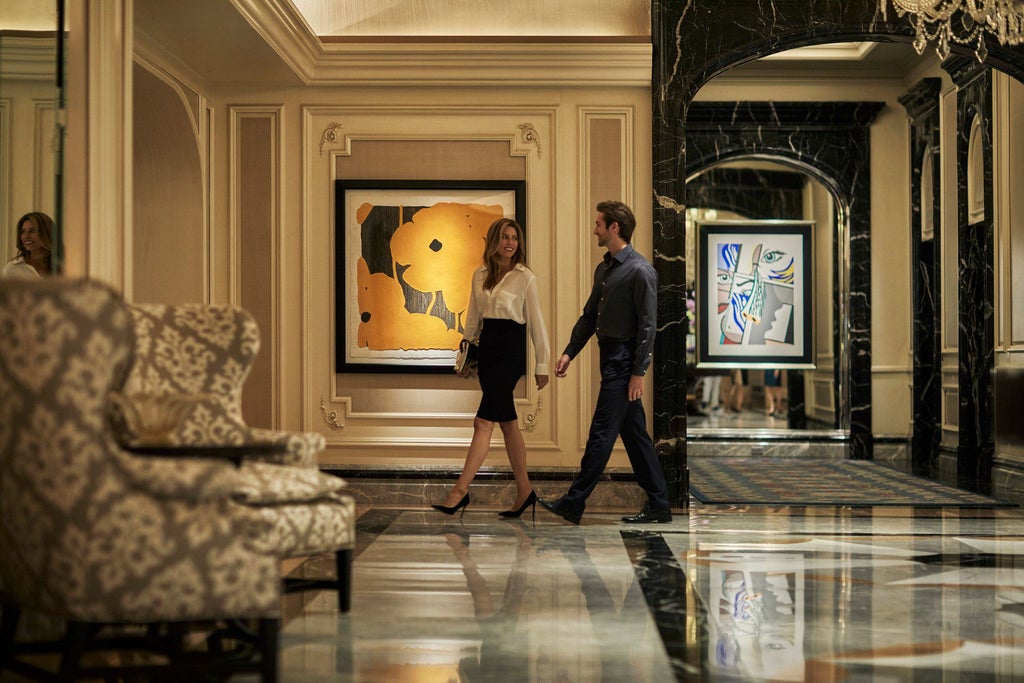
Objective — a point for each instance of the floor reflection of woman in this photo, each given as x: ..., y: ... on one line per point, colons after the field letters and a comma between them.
x: 35, y: 248
x: 503, y: 304
x: 500, y: 654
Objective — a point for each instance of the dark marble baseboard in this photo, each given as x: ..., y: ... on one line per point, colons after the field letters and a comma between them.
x: 493, y: 488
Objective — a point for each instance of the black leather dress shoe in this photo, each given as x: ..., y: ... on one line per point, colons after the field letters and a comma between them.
x: 560, y: 508
x: 649, y: 515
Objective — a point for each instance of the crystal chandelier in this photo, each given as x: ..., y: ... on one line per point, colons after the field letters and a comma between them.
x: 964, y: 22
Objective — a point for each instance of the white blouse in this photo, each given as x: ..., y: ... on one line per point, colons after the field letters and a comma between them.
x: 16, y: 268
x: 513, y: 298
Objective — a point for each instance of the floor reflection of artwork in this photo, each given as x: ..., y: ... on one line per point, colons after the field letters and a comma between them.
x: 756, y: 615
x: 409, y: 254
x: 754, y: 294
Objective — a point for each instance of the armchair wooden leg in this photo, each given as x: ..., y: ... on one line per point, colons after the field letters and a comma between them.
x: 343, y: 560
x: 269, y: 635
x: 9, y: 618
x: 76, y: 641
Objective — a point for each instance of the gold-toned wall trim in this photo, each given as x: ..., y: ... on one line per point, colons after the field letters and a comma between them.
x: 330, y: 135
x: 331, y: 417
x: 532, y: 419
x: 528, y: 134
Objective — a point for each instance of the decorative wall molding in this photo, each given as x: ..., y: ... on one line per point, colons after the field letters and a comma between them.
x: 330, y: 417
x: 531, y: 419
x: 330, y: 135
x: 360, y: 416
x: 528, y: 134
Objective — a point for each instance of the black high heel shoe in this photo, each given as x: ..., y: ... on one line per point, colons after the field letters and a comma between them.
x: 461, y: 505
x: 531, y: 501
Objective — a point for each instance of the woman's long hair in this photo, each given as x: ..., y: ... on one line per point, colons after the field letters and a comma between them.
x: 44, y: 226
x: 493, y: 245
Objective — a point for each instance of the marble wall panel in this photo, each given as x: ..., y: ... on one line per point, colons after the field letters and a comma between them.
x: 976, y: 272
x: 922, y: 105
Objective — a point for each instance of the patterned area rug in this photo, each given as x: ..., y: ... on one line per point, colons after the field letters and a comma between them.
x: 763, y: 481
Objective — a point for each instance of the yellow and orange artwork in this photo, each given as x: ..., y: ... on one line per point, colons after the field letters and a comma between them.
x: 434, y: 255
x: 385, y: 324
x: 442, y: 245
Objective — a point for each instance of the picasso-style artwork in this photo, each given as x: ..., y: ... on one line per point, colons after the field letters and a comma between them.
x: 753, y: 293
x: 405, y: 255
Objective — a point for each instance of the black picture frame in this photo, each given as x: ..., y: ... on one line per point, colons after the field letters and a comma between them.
x: 383, y: 323
x: 754, y: 303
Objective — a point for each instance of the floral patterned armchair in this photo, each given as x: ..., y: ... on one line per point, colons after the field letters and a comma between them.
x: 210, y: 349
x: 94, y: 535
x: 207, y: 349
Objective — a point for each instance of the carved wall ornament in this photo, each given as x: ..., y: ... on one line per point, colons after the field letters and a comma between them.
x: 529, y: 135
x: 331, y: 417
x: 532, y: 419
x: 330, y: 135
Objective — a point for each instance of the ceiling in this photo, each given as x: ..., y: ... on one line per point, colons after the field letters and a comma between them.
x: 280, y: 42
x: 506, y: 19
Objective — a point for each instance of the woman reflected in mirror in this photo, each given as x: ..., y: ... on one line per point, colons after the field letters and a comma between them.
x: 34, y: 233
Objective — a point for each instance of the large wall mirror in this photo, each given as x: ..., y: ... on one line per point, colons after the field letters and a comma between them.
x: 756, y: 399
x: 31, y: 116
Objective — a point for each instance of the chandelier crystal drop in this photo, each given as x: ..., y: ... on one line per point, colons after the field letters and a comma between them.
x: 962, y: 22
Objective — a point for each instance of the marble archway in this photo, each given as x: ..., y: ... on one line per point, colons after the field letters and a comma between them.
x: 831, y: 142
x: 693, y: 42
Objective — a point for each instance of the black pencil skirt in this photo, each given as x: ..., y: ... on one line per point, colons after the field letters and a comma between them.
x: 502, y: 362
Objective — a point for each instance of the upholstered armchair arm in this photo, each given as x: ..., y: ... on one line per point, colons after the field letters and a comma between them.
x: 197, y: 479
x: 200, y: 479
x: 303, y: 447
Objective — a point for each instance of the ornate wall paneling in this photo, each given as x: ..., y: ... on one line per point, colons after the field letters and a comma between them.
x: 922, y: 105
x: 398, y: 419
x: 976, y: 266
x: 256, y: 233
x: 693, y: 42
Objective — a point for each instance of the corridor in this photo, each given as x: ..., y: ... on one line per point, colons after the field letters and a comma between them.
x: 721, y: 594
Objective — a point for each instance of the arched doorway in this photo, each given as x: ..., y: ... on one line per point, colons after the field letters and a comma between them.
x: 686, y: 59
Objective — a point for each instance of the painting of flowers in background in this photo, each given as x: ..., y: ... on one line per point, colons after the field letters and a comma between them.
x: 754, y: 294
x: 405, y: 255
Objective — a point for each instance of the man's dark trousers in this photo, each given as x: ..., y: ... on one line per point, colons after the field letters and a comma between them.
x: 616, y: 415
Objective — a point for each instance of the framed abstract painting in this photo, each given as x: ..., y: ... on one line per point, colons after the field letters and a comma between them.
x: 405, y: 252
x: 754, y: 294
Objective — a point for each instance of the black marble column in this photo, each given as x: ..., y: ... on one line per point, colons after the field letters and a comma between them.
x: 976, y: 445
x: 922, y: 105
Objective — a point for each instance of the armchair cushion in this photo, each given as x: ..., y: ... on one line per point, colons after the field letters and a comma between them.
x: 265, y: 484
x: 308, y: 529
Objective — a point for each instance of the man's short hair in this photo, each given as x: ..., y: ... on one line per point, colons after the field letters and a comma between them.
x: 617, y: 212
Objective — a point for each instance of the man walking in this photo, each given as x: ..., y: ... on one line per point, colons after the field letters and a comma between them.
x: 621, y: 311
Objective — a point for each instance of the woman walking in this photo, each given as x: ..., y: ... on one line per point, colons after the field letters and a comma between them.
x: 504, y: 304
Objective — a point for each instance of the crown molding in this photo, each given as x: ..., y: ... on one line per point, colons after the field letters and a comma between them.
x: 484, y: 64
x: 431, y: 63
x: 28, y: 57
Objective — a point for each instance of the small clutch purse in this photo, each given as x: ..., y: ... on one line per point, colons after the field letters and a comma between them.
x: 466, y: 357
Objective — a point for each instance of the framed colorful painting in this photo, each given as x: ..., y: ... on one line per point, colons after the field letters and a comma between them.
x: 405, y: 255
x: 754, y: 294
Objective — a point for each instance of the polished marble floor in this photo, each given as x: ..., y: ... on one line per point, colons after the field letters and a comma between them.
x: 720, y: 594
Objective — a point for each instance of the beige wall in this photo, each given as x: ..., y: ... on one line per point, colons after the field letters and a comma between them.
x: 268, y: 243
